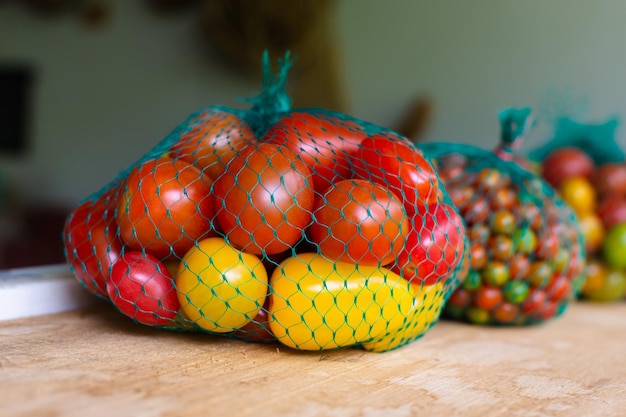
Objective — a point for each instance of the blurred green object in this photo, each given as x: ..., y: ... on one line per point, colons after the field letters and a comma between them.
x: 597, y: 139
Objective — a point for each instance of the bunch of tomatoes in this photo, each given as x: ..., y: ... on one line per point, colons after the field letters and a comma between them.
x: 526, y: 254
x: 320, y: 232
x: 597, y: 194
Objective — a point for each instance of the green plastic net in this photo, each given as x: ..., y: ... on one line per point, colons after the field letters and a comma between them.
x: 305, y: 227
x: 586, y: 165
x: 526, y: 255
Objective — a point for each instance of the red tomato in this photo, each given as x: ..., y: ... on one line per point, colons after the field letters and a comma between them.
x: 264, y: 199
x: 91, y: 242
x: 559, y: 288
x: 215, y: 137
x: 612, y: 210
x: 488, y: 298
x: 434, y: 246
x: 610, y: 179
x: 323, y: 142
x: 142, y: 288
x: 565, y: 163
x: 535, y: 301
x: 165, y: 208
x: 360, y: 222
x: 400, y: 167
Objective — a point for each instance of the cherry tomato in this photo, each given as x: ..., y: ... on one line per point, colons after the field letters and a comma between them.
x: 519, y: 266
x: 434, y: 246
x: 473, y: 281
x: 141, y: 287
x: 264, y: 199
x: 488, y: 180
x: 559, y: 288
x: 496, y: 273
x: 399, y: 166
x: 612, y: 210
x: 525, y: 241
x: 165, y: 208
x: 529, y: 214
x: 610, y: 179
x: 360, y: 222
x: 220, y: 288
x: 487, y: 298
x: 478, y: 256
x: 91, y: 242
x: 323, y: 142
x: 461, y: 196
x: 479, y: 233
x: 500, y: 247
x: 564, y: 163
x: 548, y: 244
x: 516, y: 291
x: 539, y: 273
x: 478, y: 211
x: 478, y: 315
x: 461, y: 298
x: 502, y: 221
x: 535, y: 300
x: 505, y: 313
x: 213, y: 138
x: 503, y: 198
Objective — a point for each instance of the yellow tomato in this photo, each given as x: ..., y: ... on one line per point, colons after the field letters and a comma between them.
x: 592, y: 230
x: 579, y: 194
x: 595, y: 276
x: 219, y: 287
x: 603, y: 284
x: 317, y: 303
x: 428, y: 304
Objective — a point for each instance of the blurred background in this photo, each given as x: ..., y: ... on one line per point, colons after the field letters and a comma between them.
x: 88, y: 86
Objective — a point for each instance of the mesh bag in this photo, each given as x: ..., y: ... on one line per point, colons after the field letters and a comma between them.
x: 586, y: 165
x: 526, y: 255
x: 302, y: 226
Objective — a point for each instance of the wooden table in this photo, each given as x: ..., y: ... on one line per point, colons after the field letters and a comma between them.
x: 94, y: 362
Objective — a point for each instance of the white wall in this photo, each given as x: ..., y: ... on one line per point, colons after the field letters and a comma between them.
x: 104, y: 97
x: 476, y: 57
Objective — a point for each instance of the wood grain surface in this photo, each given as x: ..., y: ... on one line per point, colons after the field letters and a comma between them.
x: 95, y: 362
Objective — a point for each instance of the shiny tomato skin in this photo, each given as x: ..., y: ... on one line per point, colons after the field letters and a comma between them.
x: 434, y: 246
x: 165, y: 208
x: 264, y: 199
x: 400, y: 167
x: 324, y: 142
x: 360, y: 222
x: 220, y: 288
x: 91, y: 242
x: 142, y: 288
x: 213, y: 138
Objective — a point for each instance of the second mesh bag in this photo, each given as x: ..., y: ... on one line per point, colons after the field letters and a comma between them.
x: 527, y: 253
x: 302, y: 226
